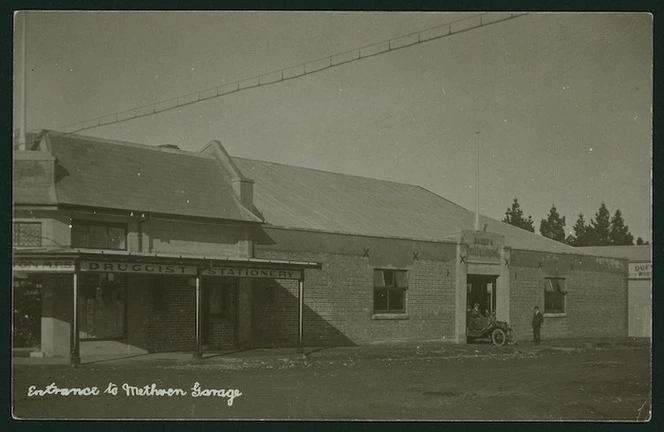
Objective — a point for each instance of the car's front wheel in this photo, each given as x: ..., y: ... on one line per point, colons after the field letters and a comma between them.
x: 498, y: 337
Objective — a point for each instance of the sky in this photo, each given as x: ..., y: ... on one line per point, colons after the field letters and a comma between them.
x: 562, y: 101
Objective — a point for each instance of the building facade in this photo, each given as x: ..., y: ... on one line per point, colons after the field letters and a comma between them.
x: 639, y: 284
x: 122, y: 248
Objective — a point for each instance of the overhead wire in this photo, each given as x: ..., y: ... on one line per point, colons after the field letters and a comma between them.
x: 291, y: 72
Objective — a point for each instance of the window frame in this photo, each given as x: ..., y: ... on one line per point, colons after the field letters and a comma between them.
x: 84, y: 336
x: 562, y: 290
x: 395, y: 285
x: 88, y: 223
x: 224, y: 292
x: 16, y: 224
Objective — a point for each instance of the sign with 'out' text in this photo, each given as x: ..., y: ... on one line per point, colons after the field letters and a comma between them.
x: 640, y: 270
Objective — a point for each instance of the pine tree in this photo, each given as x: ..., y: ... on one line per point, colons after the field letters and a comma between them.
x: 580, y: 236
x: 600, y: 228
x: 619, y: 232
x: 514, y: 216
x: 553, y: 226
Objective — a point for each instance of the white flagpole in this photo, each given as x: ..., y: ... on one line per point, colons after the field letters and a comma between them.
x: 477, y: 185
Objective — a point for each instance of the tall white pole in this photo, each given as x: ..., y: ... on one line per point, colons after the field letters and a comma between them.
x: 301, y: 314
x: 22, y: 139
x: 477, y: 185
x: 198, y: 349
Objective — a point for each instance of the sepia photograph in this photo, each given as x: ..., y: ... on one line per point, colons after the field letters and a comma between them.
x: 332, y: 216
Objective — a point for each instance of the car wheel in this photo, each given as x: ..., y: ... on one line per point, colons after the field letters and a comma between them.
x: 512, y: 336
x: 498, y: 337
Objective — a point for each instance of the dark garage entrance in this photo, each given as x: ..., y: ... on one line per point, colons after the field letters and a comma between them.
x: 481, y: 289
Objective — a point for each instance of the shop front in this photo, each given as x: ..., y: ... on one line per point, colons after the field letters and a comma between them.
x: 486, y: 263
x: 82, y: 304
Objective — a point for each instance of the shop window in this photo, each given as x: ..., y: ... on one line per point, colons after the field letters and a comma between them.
x: 554, y: 295
x: 98, y: 235
x: 102, y: 306
x: 215, y: 302
x: 390, y: 291
x: 219, y: 301
x: 27, y: 234
x: 26, y: 302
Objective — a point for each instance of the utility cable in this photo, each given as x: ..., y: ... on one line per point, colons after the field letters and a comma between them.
x: 292, y: 72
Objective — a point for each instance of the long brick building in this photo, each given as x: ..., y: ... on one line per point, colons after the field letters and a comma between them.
x: 127, y: 248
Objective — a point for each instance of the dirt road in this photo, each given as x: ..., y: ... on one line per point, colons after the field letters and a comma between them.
x: 611, y: 383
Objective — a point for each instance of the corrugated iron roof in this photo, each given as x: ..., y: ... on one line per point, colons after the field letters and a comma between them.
x: 304, y: 198
x: 640, y: 253
x: 101, y: 173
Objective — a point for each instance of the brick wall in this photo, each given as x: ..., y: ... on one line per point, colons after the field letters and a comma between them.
x: 596, y: 302
x: 222, y: 335
x: 223, y: 331
x: 339, y: 297
x: 173, y: 316
x: 275, y: 312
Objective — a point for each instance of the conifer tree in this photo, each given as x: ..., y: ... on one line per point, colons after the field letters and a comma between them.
x: 619, y: 232
x: 600, y: 228
x: 553, y: 226
x: 580, y: 236
x: 514, y: 216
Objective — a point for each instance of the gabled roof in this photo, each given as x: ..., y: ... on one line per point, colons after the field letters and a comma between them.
x: 641, y: 253
x: 116, y: 175
x: 309, y: 199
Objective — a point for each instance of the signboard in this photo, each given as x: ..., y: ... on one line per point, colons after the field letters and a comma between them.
x: 483, y: 247
x: 252, y: 272
x: 640, y: 270
x: 123, y: 267
x: 45, y: 265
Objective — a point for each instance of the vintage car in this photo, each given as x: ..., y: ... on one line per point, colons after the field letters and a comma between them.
x: 487, y: 327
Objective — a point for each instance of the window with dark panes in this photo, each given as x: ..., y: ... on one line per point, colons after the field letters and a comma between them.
x: 98, y: 235
x: 27, y: 234
x: 215, y: 302
x: 102, y: 305
x: 390, y: 291
x: 226, y: 302
x: 554, y: 295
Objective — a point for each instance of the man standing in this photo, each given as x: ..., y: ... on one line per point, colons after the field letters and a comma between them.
x: 538, y: 319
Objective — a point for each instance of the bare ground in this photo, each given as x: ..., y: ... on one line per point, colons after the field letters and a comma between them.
x: 587, y: 382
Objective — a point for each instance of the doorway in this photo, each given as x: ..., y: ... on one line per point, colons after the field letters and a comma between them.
x: 27, y: 311
x: 481, y: 289
x: 220, y: 314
